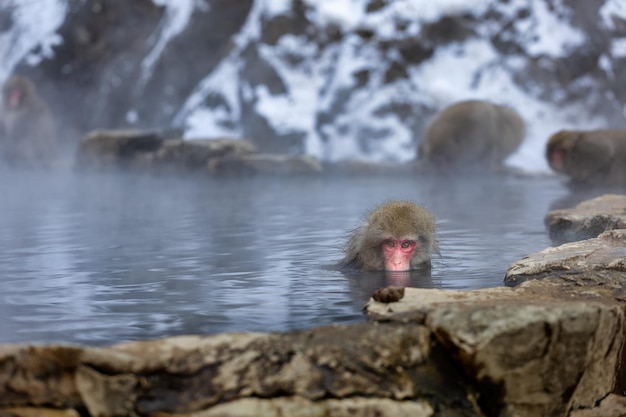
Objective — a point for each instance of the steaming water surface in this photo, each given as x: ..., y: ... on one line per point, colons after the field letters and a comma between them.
x: 99, y: 259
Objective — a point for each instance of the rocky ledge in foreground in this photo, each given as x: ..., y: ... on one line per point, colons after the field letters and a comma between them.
x: 552, y: 346
x: 588, y: 219
x: 359, y: 370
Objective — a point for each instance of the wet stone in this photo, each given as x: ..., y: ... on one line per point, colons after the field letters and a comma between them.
x: 588, y: 219
x: 601, y: 260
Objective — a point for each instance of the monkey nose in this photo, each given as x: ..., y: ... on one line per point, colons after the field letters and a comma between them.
x: 397, y: 262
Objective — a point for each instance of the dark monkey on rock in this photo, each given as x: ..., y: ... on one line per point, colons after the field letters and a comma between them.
x: 592, y: 157
x: 28, y: 131
x: 471, y: 135
x: 397, y: 236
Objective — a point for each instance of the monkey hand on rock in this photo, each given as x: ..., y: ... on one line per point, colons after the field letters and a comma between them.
x: 389, y: 294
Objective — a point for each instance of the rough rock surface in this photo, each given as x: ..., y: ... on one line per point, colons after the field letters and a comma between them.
x: 588, y: 219
x: 611, y: 406
x: 106, y: 149
x: 543, y: 348
x: 601, y: 260
x: 400, y: 364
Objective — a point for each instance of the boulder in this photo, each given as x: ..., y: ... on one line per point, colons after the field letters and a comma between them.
x: 611, y: 406
x: 588, y: 219
x: 300, y: 407
x: 385, y: 370
x: 546, y: 347
x: 103, y: 150
x: 601, y: 261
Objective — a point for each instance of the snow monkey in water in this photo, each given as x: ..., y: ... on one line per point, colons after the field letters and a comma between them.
x: 592, y: 157
x: 397, y: 236
x: 473, y: 134
x: 28, y: 133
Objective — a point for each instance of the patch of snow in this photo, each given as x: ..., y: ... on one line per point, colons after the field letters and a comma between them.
x: 34, y: 26
x: 177, y: 15
x: 203, y: 121
x: 618, y: 47
x: 612, y: 8
x: 545, y: 34
x: 275, y: 7
x: 459, y: 71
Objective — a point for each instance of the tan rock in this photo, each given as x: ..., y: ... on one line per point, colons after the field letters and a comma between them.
x: 300, y: 407
x: 611, y: 406
x: 542, y: 348
x: 602, y: 259
x: 37, y: 412
x: 38, y: 376
x: 113, y: 149
x: 588, y: 219
x: 185, y: 375
x: 535, y: 360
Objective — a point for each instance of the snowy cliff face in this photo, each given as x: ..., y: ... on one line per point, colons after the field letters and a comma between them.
x: 340, y: 79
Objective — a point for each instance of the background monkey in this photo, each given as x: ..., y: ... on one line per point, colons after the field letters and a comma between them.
x: 471, y: 134
x: 397, y: 236
x: 589, y: 157
x: 28, y: 131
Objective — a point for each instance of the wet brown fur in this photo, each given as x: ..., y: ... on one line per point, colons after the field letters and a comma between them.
x: 393, y: 220
x: 591, y: 156
x: 472, y: 134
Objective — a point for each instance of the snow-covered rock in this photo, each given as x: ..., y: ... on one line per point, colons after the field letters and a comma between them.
x: 337, y: 80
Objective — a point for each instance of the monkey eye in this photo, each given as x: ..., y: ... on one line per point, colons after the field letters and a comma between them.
x: 389, y: 243
x: 407, y: 244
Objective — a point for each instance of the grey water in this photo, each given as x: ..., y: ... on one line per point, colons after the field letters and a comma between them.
x: 104, y: 258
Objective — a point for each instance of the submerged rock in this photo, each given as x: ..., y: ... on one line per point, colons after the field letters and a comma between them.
x: 588, y: 219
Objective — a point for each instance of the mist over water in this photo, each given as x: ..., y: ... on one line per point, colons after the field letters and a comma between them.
x: 97, y: 259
